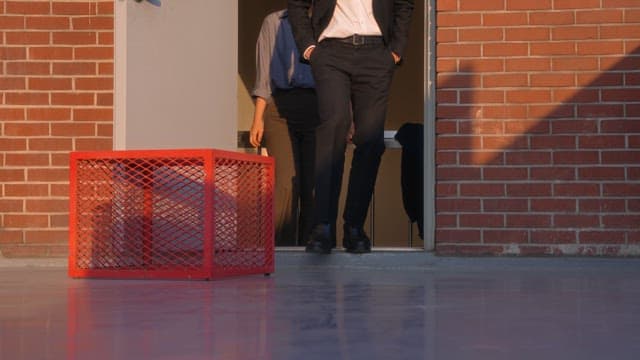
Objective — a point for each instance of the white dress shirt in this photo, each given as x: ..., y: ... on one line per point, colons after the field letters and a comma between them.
x: 352, y: 17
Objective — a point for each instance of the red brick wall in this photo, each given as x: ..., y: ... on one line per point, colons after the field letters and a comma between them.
x: 56, y: 95
x: 538, y: 127
x: 538, y: 122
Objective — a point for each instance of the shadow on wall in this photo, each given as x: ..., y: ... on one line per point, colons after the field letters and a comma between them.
x: 542, y: 170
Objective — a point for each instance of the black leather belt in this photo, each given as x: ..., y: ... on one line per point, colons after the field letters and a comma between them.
x: 357, y: 40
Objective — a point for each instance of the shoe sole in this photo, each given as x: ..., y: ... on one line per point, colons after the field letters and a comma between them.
x: 358, y: 251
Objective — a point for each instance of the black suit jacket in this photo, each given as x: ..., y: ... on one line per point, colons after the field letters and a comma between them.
x: 393, y: 17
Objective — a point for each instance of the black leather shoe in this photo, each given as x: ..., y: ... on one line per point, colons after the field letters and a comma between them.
x: 355, y: 240
x: 319, y: 240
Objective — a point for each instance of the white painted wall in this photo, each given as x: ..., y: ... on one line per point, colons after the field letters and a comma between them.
x: 176, y: 74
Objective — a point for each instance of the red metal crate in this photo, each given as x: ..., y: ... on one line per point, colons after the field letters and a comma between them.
x: 174, y: 214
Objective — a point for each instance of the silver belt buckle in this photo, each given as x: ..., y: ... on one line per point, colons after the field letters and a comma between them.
x: 357, y: 40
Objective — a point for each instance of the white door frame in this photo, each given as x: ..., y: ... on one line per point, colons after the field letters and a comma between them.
x: 429, y: 125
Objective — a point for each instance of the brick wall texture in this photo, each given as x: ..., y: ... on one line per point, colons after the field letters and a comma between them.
x: 538, y: 123
x: 538, y: 127
x: 56, y: 96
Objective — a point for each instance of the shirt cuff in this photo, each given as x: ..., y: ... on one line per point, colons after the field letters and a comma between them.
x: 307, y: 52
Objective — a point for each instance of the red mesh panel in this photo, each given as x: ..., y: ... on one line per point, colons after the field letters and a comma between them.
x: 170, y: 214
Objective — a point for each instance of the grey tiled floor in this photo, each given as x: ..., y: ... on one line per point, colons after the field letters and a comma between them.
x: 446, y: 309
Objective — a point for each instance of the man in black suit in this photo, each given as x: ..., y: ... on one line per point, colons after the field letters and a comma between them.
x: 353, y: 47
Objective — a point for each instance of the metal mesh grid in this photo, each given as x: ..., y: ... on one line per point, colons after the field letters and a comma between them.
x: 150, y: 212
x: 240, y: 198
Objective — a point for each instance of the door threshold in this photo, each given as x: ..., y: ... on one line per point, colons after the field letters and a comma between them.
x: 374, y: 250
x: 396, y: 258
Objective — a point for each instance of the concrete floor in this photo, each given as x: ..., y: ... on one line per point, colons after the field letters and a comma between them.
x: 446, y: 308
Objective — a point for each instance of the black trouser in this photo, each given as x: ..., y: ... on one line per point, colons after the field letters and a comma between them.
x: 290, y: 139
x: 351, y: 80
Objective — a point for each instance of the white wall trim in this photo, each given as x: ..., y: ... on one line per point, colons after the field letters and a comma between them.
x: 176, y: 66
x: 120, y: 69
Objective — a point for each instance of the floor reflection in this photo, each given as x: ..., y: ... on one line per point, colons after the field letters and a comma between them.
x: 460, y: 311
x: 170, y: 320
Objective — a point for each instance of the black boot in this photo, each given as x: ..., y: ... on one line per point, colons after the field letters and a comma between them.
x: 355, y: 240
x: 319, y: 240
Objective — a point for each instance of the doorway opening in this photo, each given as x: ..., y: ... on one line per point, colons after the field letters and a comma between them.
x: 388, y: 223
